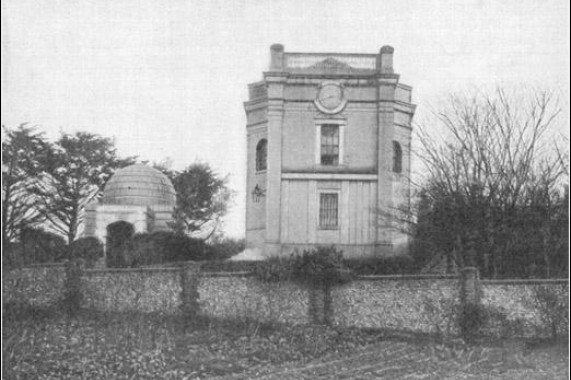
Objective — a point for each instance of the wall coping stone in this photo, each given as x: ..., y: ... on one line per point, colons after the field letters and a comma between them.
x: 408, y: 277
x: 41, y: 265
x: 96, y: 272
x: 227, y: 274
x: 531, y: 281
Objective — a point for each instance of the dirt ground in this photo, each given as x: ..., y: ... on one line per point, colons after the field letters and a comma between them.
x: 405, y: 360
x: 47, y: 345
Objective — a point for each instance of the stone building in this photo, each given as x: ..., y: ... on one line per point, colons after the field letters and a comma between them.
x: 328, y: 159
x: 136, y: 194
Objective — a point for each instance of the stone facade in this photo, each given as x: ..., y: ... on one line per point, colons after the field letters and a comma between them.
x: 329, y: 129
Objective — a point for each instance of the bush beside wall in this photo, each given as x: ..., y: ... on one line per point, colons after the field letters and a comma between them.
x: 229, y: 266
x: 89, y: 249
x: 383, y: 266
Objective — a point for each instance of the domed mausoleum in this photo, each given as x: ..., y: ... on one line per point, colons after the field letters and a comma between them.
x: 136, y: 194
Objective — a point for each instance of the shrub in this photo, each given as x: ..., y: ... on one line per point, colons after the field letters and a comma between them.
x: 275, y: 269
x: 90, y: 249
x: 39, y: 246
x: 383, y: 265
x: 163, y: 247
x: 221, y: 249
x: 230, y: 266
x: 322, y: 266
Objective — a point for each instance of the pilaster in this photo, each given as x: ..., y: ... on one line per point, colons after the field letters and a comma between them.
x: 275, y: 115
x: 386, y: 115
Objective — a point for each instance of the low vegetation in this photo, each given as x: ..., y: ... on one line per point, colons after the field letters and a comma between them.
x: 47, y: 345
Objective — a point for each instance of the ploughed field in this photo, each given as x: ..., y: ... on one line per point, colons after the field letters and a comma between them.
x: 46, y: 344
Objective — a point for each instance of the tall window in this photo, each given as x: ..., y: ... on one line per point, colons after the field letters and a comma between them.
x: 262, y: 155
x: 397, y: 157
x: 328, y: 210
x: 329, y: 144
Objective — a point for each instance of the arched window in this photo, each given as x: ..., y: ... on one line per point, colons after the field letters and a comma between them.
x: 397, y: 157
x: 262, y: 155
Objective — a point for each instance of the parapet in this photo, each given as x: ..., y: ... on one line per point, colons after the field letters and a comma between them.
x: 357, y: 63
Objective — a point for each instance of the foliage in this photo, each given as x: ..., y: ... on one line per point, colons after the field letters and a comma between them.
x: 39, y: 246
x: 495, y: 195
x: 202, y: 199
x: 224, y: 248
x: 119, y: 235
x: 89, y: 249
x: 230, y: 266
x: 24, y: 150
x: 276, y: 268
x: 322, y: 266
x: 137, y: 346
x: 383, y: 265
x: 553, y: 310
x: 77, y: 169
x: 162, y: 247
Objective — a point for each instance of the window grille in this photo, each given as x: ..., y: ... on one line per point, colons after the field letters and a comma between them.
x: 397, y: 157
x: 329, y: 144
x: 328, y: 210
x: 262, y: 155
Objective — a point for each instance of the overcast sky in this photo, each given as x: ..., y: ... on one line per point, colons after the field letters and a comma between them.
x: 168, y: 78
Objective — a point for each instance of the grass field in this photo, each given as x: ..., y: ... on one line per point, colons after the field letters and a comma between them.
x: 46, y: 344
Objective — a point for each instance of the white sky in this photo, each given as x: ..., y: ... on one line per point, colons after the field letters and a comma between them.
x: 168, y: 78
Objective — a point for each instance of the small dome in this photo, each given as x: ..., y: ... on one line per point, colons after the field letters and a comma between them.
x: 139, y: 185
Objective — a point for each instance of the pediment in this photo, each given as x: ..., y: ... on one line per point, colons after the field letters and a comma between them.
x: 330, y: 64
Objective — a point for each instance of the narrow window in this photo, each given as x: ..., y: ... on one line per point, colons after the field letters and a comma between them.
x: 328, y: 210
x: 262, y: 155
x: 329, y: 144
x: 397, y: 157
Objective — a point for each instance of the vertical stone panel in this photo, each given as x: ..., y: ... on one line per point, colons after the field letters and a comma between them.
x: 190, y: 278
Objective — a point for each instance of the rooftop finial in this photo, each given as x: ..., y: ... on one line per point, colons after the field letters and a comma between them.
x: 277, y: 48
x: 277, y: 53
x: 385, y: 60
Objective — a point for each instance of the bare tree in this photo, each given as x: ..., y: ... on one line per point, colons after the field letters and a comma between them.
x: 487, y: 171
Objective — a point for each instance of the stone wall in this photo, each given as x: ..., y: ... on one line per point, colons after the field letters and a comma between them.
x: 516, y: 307
x: 146, y: 290
x: 414, y: 303
x: 40, y: 286
x: 242, y: 296
x: 428, y: 304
